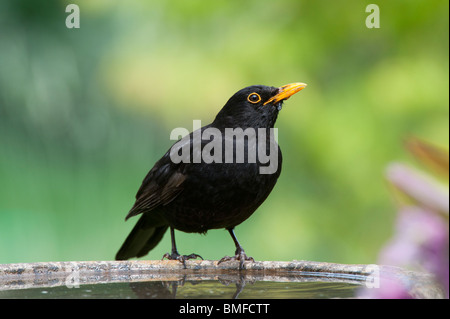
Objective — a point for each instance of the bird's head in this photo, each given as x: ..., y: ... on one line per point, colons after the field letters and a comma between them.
x: 255, y: 106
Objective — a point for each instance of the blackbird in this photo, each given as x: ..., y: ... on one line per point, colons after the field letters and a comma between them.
x: 194, y: 195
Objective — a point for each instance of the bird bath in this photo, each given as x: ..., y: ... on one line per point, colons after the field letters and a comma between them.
x: 200, y: 280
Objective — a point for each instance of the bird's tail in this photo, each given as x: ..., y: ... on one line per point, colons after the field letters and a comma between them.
x: 146, y: 234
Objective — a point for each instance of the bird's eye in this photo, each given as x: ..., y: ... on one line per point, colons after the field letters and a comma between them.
x: 254, y: 98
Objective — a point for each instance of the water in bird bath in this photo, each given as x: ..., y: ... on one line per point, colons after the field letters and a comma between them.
x: 204, y: 289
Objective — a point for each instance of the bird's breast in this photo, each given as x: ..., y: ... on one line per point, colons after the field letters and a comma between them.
x: 234, y: 177
x: 219, y: 196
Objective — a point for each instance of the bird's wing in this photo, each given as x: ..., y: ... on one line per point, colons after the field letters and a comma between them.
x: 161, y: 185
x: 165, y: 180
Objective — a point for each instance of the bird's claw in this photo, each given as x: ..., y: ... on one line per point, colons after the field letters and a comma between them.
x: 240, y: 255
x: 181, y: 258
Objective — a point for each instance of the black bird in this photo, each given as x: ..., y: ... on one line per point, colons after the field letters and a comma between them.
x: 198, y: 195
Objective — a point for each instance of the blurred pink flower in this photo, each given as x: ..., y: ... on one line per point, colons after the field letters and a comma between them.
x: 421, y: 238
x: 420, y: 242
x: 390, y: 287
x: 420, y: 188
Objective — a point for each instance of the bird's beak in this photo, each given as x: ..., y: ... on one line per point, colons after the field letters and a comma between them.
x: 285, y: 92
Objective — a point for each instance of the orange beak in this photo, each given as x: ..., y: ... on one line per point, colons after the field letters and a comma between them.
x: 285, y: 92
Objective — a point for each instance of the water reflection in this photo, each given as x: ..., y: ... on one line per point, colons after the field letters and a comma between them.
x: 193, y: 289
x: 168, y: 289
x: 218, y: 289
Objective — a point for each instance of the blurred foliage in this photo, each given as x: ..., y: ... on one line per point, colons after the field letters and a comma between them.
x: 85, y: 113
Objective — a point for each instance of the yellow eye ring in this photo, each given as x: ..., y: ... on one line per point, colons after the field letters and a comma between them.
x: 254, y: 98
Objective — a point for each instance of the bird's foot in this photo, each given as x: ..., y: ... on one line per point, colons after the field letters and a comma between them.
x: 240, y: 255
x: 181, y: 258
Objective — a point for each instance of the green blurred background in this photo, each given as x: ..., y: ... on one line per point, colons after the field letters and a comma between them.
x: 85, y: 113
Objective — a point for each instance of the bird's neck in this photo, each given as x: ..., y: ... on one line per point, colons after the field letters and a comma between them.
x: 244, y: 121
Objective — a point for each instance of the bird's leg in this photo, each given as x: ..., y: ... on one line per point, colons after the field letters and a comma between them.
x: 174, y: 255
x: 240, y: 253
